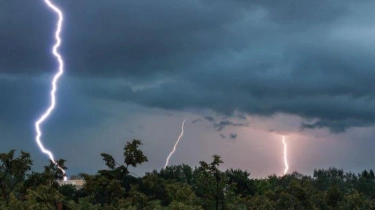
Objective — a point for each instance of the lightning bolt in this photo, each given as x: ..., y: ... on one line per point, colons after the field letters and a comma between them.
x: 285, y: 157
x: 54, y: 82
x: 175, y: 145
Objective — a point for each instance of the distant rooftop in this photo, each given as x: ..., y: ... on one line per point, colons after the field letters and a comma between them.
x: 76, y: 183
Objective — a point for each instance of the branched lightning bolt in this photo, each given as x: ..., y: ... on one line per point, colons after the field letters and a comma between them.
x: 285, y: 157
x: 55, y: 79
x: 175, y: 145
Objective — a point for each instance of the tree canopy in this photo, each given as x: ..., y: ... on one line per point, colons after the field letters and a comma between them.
x: 178, y: 187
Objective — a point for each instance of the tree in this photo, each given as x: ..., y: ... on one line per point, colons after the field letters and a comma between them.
x: 48, y: 177
x: 44, y: 197
x: 180, y: 173
x: 333, y: 196
x: 211, y: 183
x: 325, y: 178
x: 108, y: 186
x: 133, y: 155
x: 366, y: 183
x: 243, y: 185
x: 179, y: 192
x: 355, y: 200
x: 179, y: 187
x: 13, y: 172
x: 260, y: 202
x: 68, y: 191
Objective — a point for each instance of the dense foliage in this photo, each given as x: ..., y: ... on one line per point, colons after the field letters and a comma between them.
x: 178, y: 187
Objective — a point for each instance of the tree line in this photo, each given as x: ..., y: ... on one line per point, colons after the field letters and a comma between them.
x: 178, y: 187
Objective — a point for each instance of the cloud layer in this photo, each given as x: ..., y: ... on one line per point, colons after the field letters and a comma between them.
x: 313, y: 59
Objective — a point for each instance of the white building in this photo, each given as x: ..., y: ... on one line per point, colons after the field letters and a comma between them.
x: 76, y: 183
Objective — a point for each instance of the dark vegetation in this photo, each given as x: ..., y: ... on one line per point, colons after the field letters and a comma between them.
x: 178, y: 187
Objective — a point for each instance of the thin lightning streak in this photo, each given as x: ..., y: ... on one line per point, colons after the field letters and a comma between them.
x: 175, y: 145
x: 285, y: 157
x: 56, y: 77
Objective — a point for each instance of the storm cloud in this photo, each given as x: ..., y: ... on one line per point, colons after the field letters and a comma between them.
x: 312, y: 59
x: 222, y: 124
x: 233, y: 135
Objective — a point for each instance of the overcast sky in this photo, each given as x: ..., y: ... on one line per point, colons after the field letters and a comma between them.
x: 242, y: 73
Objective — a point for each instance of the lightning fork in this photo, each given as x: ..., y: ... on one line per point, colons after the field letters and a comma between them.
x: 285, y: 157
x: 54, y: 82
x: 175, y: 145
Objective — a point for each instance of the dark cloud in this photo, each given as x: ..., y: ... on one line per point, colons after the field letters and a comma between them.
x: 312, y: 59
x: 223, y: 124
x: 196, y: 120
x: 18, y: 103
x: 233, y: 135
x: 25, y: 37
x: 127, y: 38
x: 141, y: 38
x: 126, y: 60
x: 304, y: 11
x: 209, y: 118
x: 241, y: 116
x: 24, y: 98
x: 336, y: 127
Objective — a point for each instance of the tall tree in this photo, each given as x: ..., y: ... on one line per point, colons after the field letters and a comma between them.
x: 13, y: 171
x: 109, y: 186
x: 211, y: 183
